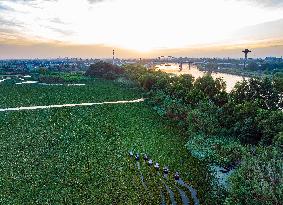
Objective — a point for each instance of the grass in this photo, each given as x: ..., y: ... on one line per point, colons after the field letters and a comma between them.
x: 79, y: 155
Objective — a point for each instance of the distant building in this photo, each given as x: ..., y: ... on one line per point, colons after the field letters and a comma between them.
x: 273, y: 59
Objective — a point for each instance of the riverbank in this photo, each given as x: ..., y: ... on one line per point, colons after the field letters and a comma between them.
x: 238, y: 72
x: 229, y: 79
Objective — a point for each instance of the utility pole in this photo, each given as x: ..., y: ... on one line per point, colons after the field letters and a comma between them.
x: 113, y: 57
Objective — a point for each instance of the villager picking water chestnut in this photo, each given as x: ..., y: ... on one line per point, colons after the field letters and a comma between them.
x: 156, y: 166
x: 131, y: 154
x: 145, y: 157
x: 137, y: 157
x: 150, y: 162
x: 176, y: 176
x: 166, y: 170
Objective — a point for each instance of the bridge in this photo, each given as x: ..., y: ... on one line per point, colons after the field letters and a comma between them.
x: 176, y: 61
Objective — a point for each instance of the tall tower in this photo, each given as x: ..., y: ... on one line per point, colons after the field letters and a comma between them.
x: 113, y: 57
x: 246, y: 52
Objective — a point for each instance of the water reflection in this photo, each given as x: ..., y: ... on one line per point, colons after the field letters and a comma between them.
x: 230, y: 80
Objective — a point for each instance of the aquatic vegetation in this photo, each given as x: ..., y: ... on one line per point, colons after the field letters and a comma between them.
x: 94, y: 91
x: 79, y: 154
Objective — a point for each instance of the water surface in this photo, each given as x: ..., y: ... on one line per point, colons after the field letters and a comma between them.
x: 230, y: 80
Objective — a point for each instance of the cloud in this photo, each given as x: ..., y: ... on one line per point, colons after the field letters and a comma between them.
x: 57, y: 21
x: 22, y: 0
x: 26, y: 1
x: 18, y: 17
x: 95, y: 1
x: 3, y: 7
x: 5, y: 22
x: 26, y: 49
x: 88, y: 22
x: 59, y: 30
x: 267, y: 30
x: 267, y: 3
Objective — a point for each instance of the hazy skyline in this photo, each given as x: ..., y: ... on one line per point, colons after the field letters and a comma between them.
x: 140, y: 28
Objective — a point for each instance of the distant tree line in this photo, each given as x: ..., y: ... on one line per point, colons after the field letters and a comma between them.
x: 237, y: 67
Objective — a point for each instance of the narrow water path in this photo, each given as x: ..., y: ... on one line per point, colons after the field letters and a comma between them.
x: 192, y: 190
x: 171, y: 194
x: 163, y: 201
x: 184, y: 197
x: 69, y: 105
x: 141, y: 176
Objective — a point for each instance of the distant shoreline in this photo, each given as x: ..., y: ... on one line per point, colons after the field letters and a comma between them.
x: 247, y: 74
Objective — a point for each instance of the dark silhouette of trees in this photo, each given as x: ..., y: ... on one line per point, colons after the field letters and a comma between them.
x: 104, y: 70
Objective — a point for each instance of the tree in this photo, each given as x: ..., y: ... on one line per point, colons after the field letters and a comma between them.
x: 43, y: 71
x: 182, y: 85
x: 278, y: 82
x: 104, y: 70
x: 213, y: 89
x: 246, y: 128
x: 257, y: 90
x: 270, y: 123
x: 258, y: 180
x: 252, y: 66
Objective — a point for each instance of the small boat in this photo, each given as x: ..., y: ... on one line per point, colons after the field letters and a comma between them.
x: 167, y: 64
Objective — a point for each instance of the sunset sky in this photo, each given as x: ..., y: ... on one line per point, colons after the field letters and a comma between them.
x: 140, y: 28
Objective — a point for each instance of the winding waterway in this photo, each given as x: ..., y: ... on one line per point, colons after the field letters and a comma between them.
x: 69, y: 105
x: 230, y: 80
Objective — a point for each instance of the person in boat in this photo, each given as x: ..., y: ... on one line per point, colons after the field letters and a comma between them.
x: 156, y: 166
x: 177, y: 176
x: 145, y: 157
